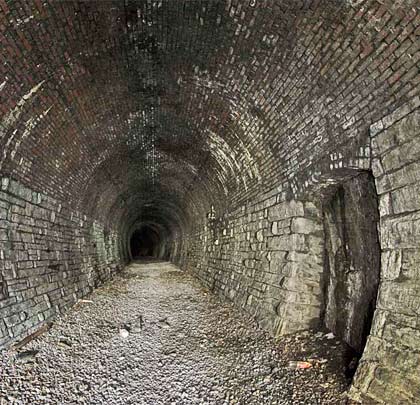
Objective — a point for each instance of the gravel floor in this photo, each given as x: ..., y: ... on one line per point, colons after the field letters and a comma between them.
x: 154, y: 336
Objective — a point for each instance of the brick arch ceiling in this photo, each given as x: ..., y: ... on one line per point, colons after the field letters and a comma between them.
x: 180, y: 104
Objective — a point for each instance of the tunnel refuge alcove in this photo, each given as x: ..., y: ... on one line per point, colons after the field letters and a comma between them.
x: 352, y: 261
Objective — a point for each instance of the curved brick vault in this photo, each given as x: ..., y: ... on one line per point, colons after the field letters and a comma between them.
x: 224, y: 125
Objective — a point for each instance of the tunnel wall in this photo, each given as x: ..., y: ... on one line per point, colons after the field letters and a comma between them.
x: 250, y: 106
x: 390, y: 364
x: 267, y: 256
x: 50, y: 256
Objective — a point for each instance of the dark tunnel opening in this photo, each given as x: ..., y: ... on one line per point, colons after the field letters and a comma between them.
x: 145, y: 242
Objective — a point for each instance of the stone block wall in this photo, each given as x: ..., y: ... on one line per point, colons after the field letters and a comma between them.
x: 266, y: 257
x: 391, y: 361
x: 50, y: 256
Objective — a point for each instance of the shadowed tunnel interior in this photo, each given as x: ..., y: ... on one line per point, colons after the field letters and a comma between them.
x: 145, y: 242
x: 217, y: 135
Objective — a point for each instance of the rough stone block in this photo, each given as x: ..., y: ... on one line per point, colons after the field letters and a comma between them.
x: 406, y: 199
x: 391, y: 264
x: 402, y: 232
x: 286, y: 210
x: 288, y: 242
x: 305, y: 226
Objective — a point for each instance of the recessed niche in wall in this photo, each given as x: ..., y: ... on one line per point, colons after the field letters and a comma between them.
x: 352, y: 260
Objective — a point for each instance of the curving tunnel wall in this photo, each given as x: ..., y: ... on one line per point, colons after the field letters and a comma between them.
x: 227, y: 127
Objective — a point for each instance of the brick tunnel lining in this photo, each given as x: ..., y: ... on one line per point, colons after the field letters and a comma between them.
x: 120, y: 113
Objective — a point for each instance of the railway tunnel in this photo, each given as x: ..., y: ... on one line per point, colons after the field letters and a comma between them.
x: 269, y: 149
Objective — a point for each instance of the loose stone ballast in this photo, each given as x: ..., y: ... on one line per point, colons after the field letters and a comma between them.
x: 154, y: 336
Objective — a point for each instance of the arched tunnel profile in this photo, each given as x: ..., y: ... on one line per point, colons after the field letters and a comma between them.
x: 172, y: 169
